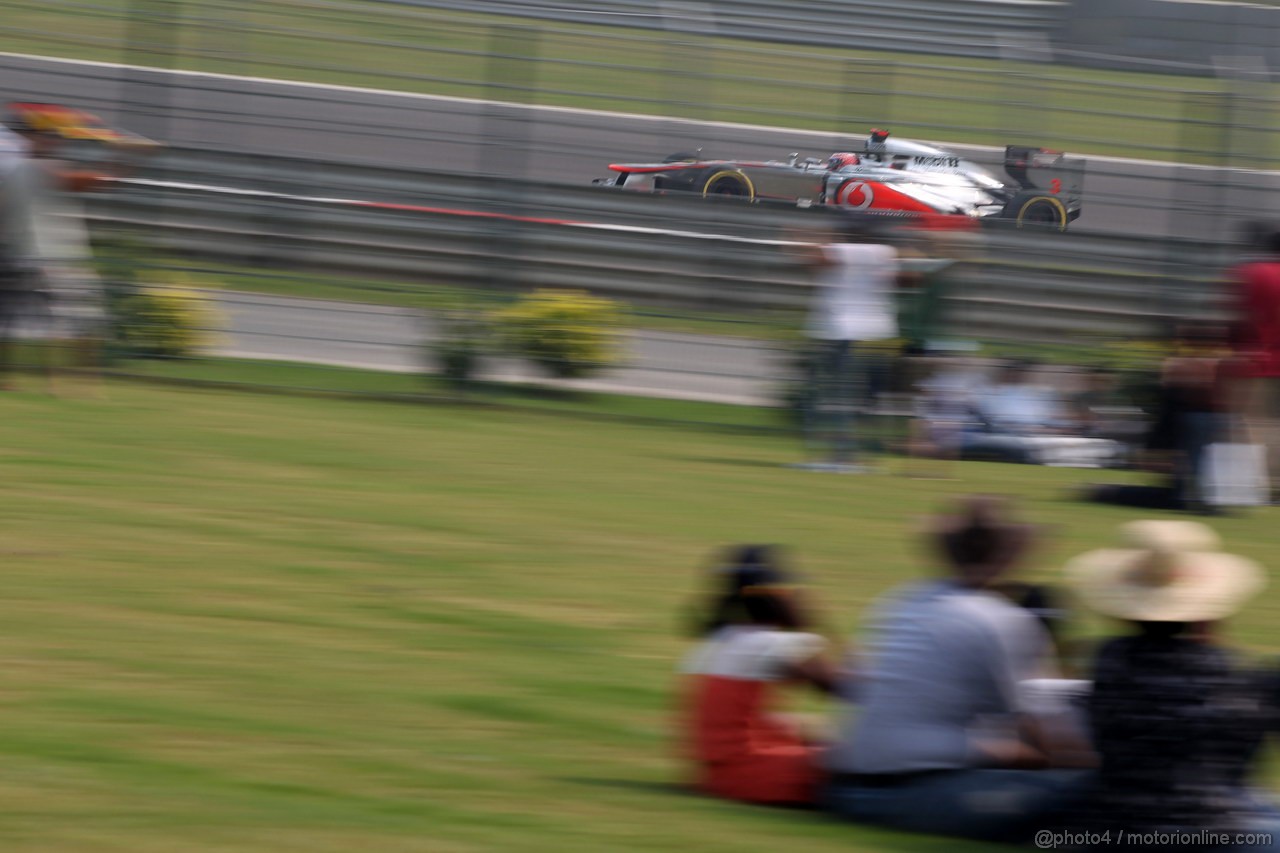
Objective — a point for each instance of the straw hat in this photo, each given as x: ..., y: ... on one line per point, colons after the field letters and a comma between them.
x: 1172, y: 571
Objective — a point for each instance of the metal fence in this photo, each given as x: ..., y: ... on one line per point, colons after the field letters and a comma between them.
x: 512, y: 118
x: 975, y: 28
x: 714, y: 261
x: 685, y: 73
x: 691, y: 254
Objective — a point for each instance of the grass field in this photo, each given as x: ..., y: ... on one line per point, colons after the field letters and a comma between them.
x: 422, y: 50
x: 259, y: 623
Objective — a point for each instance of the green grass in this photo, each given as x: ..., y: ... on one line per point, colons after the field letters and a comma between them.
x: 270, y: 623
x: 321, y: 380
x: 841, y: 91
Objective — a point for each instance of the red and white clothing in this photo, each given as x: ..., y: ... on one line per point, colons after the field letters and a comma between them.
x: 738, y: 749
x: 1257, y: 396
x: 1259, y: 330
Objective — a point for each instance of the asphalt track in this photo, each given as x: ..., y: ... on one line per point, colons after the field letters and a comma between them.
x: 349, y: 125
x: 372, y: 337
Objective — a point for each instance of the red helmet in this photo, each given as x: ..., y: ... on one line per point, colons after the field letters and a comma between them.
x: 841, y: 159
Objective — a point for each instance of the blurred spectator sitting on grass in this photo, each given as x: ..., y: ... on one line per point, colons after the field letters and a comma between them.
x: 1176, y: 717
x: 1013, y: 418
x: 1017, y: 404
x: 943, y: 411
x: 1022, y: 419
x: 756, y: 637
x: 940, y: 740
x: 1100, y: 408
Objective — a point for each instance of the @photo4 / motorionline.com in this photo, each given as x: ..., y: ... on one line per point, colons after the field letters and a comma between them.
x: 1048, y: 840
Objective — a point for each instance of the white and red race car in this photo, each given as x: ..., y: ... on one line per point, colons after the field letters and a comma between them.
x: 889, y: 175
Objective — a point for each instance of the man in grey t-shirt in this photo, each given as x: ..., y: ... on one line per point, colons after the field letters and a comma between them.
x: 941, y: 691
x: 938, y: 741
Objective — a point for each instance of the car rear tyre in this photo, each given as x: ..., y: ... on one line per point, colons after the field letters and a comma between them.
x: 731, y: 184
x: 1042, y: 211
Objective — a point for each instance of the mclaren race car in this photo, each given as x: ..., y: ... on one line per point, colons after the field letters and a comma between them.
x: 889, y: 175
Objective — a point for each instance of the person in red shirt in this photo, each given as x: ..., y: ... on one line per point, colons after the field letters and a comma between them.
x: 755, y: 639
x: 1258, y: 351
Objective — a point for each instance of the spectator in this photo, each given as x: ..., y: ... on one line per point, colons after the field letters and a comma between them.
x: 1020, y: 419
x: 1192, y: 383
x: 944, y: 411
x: 853, y: 306
x: 755, y: 636
x: 44, y: 219
x: 15, y: 278
x: 1257, y: 341
x: 1018, y: 403
x: 941, y: 741
x: 1100, y: 408
x: 1190, y: 415
x: 1176, y: 719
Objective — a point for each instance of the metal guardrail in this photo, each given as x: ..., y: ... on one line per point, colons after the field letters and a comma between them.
x: 687, y: 252
x: 686, y: 77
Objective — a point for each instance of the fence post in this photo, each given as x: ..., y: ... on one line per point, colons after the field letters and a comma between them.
x: 861, y: 79
x: 1027, y: 104
x: 691, y: 28
x: 510, y: 82
x: 150, y: 49
x: 1202, y: 142
x: 1245, y: 138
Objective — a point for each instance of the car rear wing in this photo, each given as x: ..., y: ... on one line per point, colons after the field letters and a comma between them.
x: 1046, y: 171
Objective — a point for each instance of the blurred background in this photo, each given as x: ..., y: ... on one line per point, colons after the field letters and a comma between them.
x: 488, y: 121
x: 289, y: 622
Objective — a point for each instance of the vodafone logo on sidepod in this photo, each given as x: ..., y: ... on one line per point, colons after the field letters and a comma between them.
x: 857, y: 195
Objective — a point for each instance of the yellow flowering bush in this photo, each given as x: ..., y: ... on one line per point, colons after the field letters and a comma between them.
x: 567, y: 333
x: 164, y: 319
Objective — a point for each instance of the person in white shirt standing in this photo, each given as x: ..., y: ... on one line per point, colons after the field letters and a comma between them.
x: 856, y: 278
x: 14, y: 272
x: 42, y: 221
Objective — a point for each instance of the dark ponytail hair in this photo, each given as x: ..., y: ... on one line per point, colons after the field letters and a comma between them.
x: 748, y: 578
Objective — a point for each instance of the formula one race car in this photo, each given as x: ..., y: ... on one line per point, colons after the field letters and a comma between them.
x: 890, y: 175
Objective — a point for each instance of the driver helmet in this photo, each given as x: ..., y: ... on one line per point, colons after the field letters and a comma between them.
x: 841, y: 159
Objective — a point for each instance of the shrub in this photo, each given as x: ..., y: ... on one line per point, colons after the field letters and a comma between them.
x: 462, y: 339
x: 162, y: 320
x: 153, y: 312
x: 567, y: 333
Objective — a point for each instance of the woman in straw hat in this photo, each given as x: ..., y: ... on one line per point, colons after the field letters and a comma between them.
x: 1176, y: 718
x: 941, y: 740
